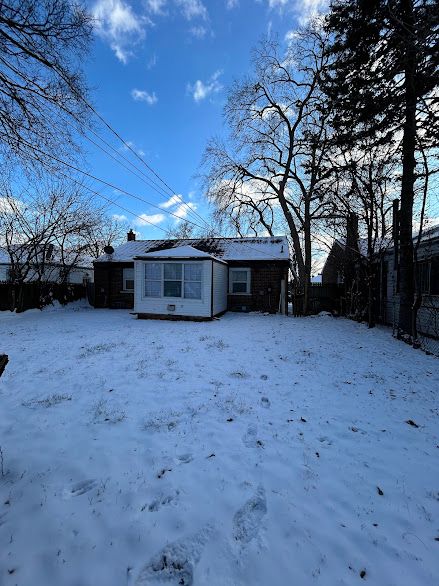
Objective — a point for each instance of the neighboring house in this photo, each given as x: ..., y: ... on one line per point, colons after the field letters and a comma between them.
x: 81, y: 273
x: 194, y: 278
x: 343, y: 260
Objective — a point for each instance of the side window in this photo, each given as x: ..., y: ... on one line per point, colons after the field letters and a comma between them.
x: 239, y: 281
x: 192, y: 281
x: 128, y: 279
x: 423, y: 274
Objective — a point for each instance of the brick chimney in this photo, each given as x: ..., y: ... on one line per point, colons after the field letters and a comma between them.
x: 131, y: 236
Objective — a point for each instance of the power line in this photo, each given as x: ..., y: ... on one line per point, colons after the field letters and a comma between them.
x: 136, y: 154
x: 111, y: 201
x: 107, y: 183
x: 147, y: 180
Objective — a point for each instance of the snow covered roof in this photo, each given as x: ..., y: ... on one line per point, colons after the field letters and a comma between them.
x: 227, y: 249
x: 186, y: 251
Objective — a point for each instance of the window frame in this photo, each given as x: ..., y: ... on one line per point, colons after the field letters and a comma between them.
x: 182, y: 280
x: 248, y: 281
x: 125, y: 279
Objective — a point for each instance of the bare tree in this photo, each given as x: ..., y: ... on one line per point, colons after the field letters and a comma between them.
x: 46, y: 231
x: 41, y: 85
x: 271, y: 173
x: 363, y: 187
x: 103, y: 231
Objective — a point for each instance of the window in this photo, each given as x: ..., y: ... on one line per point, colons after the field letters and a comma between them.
x: 192, y: 281
x: 128, y: 279
x: 173, y: 279
x: 153, y: 279
x: 423, y: 275
x: 239, y: 281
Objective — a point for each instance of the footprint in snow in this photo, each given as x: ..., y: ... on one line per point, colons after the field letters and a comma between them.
x: 247, y: 520
x: 80, y: 488
x: 250, y: 438
x: 185, y: 458
x: 174, y: 564
x: 265, y: 402
x: 162, y: 501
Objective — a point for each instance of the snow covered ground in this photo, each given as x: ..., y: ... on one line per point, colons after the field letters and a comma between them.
x: 253, y: 450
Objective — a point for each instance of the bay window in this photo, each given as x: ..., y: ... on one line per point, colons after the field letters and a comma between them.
x: 173, y: 279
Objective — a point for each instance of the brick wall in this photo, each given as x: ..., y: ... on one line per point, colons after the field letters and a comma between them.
x: 264, y: 275
x: 108, y: 278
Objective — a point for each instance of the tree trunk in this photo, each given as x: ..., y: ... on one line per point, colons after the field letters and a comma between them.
x: 408, y: 179
x: 308, y: 259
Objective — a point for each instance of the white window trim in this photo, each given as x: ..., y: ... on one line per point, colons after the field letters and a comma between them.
x: 162, y: 281
x: 249, y: 283
x: 125, y: 279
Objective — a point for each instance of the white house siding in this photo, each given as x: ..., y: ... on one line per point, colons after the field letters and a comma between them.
x: 220, y: 283
x: 183, y: 307
x: 52, y: 275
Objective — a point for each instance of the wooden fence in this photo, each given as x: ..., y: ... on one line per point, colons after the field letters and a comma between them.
x: 328, y: 297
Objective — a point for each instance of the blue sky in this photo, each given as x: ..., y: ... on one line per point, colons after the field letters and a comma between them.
x: 160, y: 70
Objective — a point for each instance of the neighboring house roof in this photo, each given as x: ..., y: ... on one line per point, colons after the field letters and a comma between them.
x: 226, y: 249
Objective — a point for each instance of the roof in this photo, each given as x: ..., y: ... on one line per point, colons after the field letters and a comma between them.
x: 186, y: 251
x: 227, y: 249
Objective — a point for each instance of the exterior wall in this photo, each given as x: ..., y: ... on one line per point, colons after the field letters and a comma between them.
x: 183, y: 307
x: 428, y: 313
x: 265, y: 275
x: 220, y: 285
x: 332, y: 272
x: 108, y: 278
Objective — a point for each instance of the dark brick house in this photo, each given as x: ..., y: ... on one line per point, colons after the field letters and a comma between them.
x: 194, y: 278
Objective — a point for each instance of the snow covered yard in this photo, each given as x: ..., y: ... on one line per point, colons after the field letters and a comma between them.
x: 253, y: 450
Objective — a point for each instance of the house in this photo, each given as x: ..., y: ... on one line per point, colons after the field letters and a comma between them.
x: 345, y: 264
x: 47, y: 266
x: 194, y: 278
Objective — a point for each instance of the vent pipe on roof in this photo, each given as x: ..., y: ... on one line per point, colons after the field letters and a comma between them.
x: 131, y: 237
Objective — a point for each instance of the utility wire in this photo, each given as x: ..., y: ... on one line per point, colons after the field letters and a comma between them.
x: 136, y: 154
x: 107, y: 183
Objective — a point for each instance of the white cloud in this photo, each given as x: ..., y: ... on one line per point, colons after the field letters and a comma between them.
x: 9, y: 205
x: 156, y: 6
x: 144, y: 96
x: 183, y: 209
x: 304, y: 9
x: 230, y: 4
x: 200, y: 90
x: 133, y: 146
x: 173, y: 200
x: 145, y: 219
x: 178, y: 208
x: 192, y: 9
x: 198, y: 31
x: 120, y: 26
x: 120, y: 218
